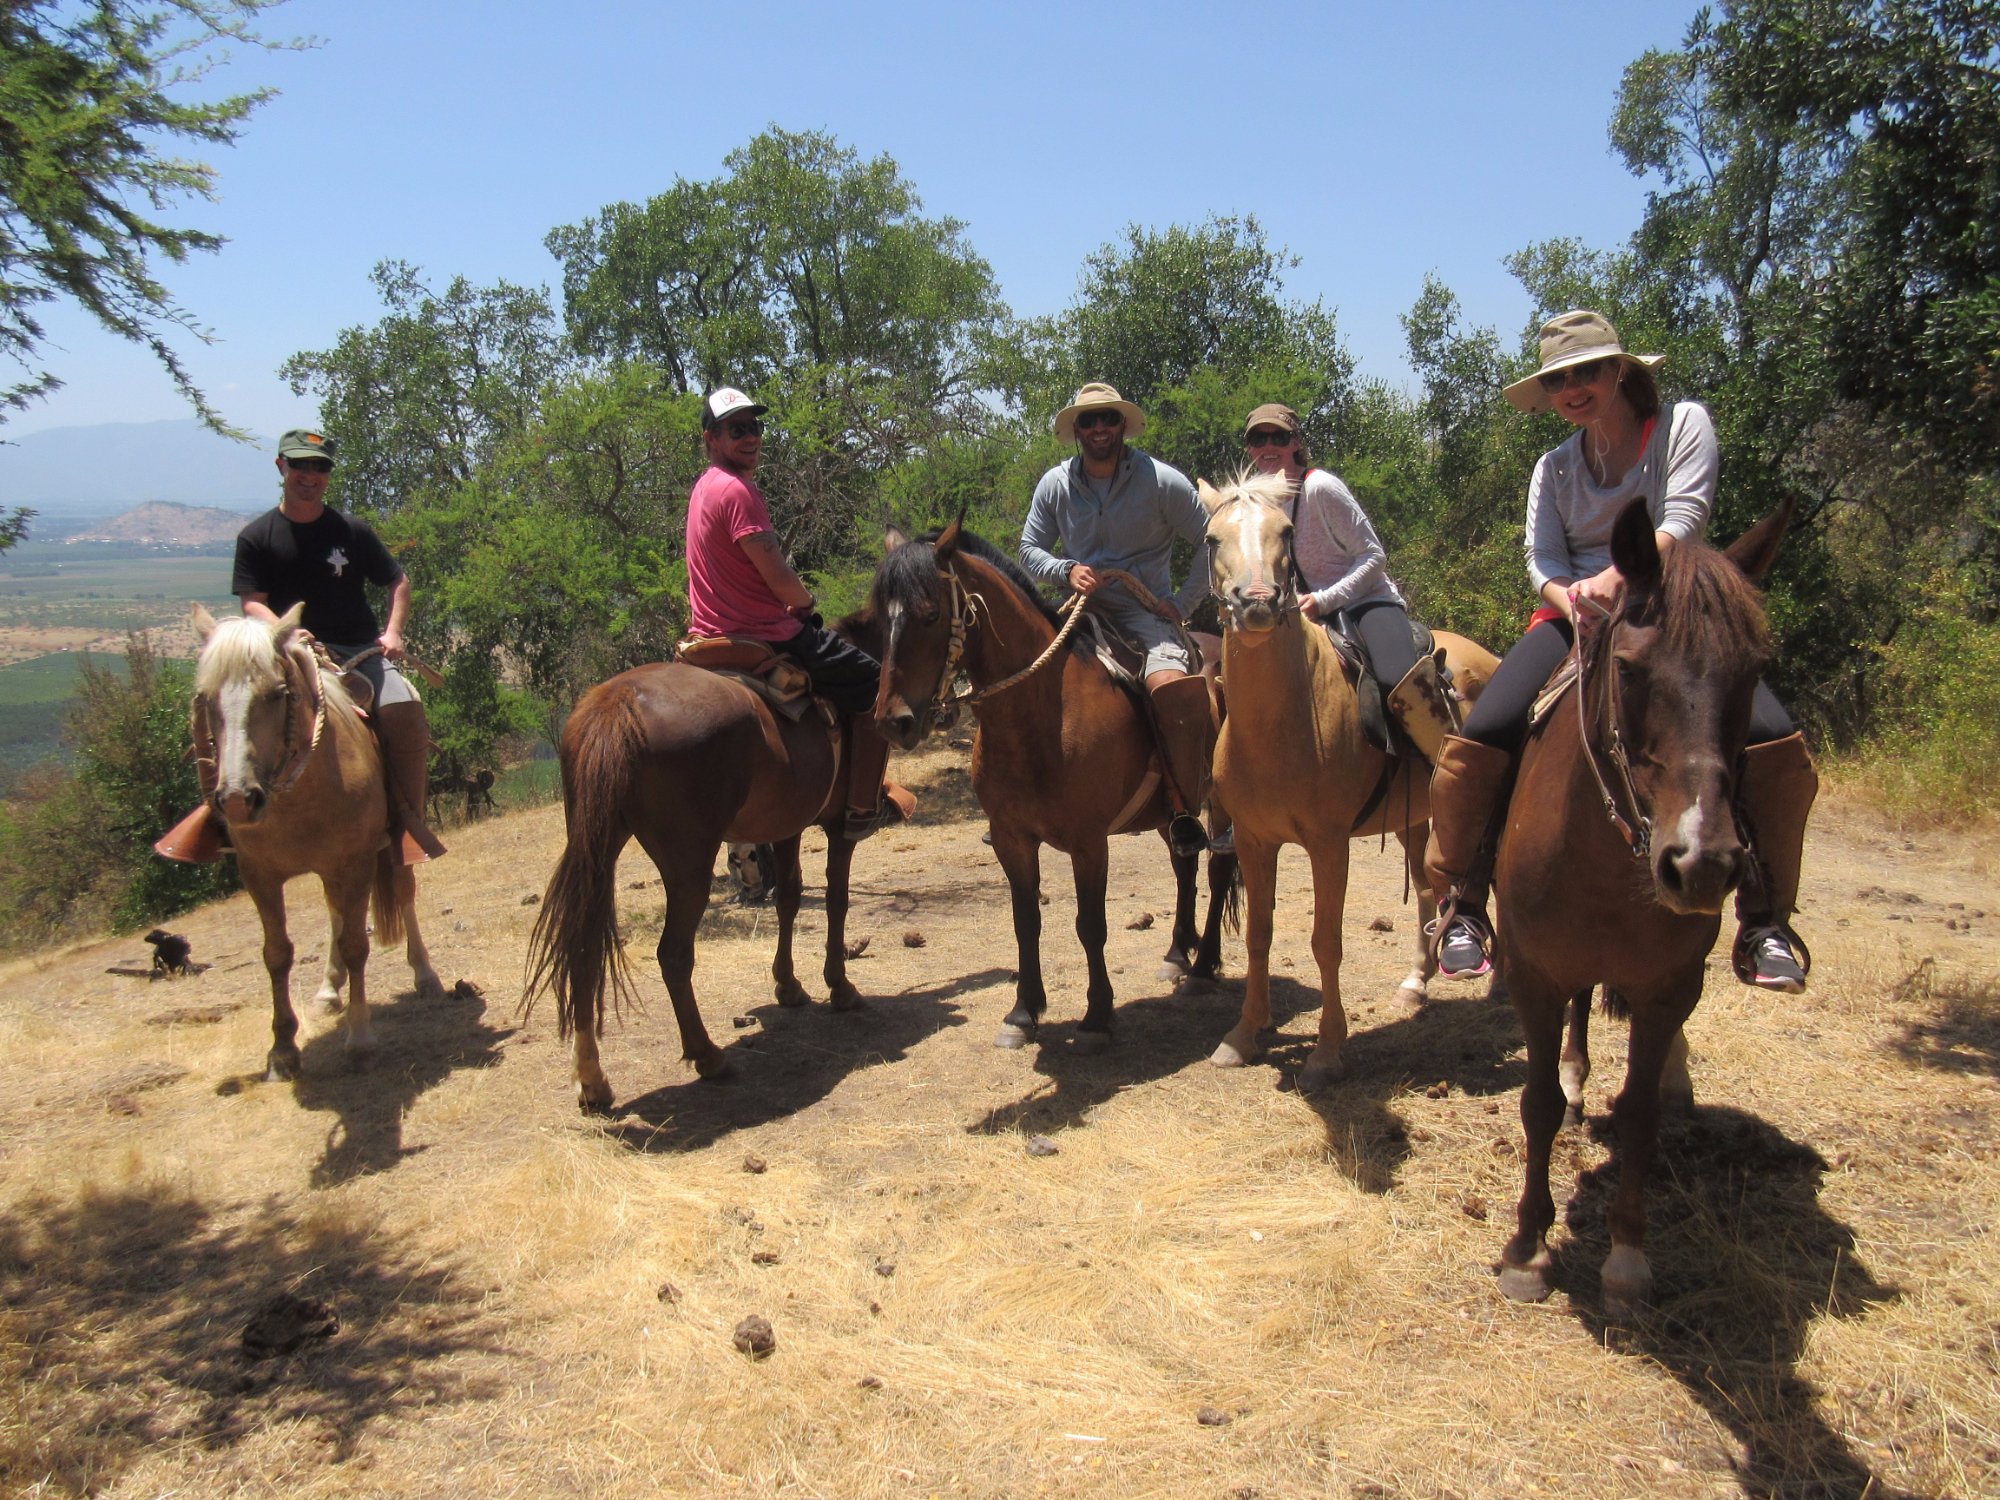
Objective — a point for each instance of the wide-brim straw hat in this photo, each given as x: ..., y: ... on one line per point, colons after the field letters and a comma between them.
x: 1574, y: 338
x: 1095, y: 397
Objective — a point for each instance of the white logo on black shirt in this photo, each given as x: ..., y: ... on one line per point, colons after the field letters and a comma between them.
x: 337, y: 559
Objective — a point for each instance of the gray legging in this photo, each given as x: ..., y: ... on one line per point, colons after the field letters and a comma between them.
x: 1500, y: 717
x: 1384, y: 630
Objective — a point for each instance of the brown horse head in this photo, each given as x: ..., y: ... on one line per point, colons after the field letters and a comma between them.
x: 925, y: 615
x: 1670, y: 677
x: 250, y: 707
x: 1250, y: 550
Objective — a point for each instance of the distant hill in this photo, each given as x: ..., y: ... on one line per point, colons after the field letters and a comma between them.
x: 161, y: 523
x: 104, y: 469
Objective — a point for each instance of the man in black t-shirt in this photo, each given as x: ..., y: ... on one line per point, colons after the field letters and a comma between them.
x: 305, y: 551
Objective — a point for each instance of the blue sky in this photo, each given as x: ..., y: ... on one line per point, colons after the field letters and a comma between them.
x: 1377, y: 142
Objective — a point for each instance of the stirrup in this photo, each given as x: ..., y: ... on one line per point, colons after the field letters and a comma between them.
x: 1478, y: 934
x: 1186, y: 836
x: 897, y: 805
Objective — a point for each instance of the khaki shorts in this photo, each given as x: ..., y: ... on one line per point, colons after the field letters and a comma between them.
x: 1162, y: 642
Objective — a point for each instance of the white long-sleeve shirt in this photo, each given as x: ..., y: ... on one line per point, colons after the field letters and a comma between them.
x: 1570, y: 516
x: 1338, y: 553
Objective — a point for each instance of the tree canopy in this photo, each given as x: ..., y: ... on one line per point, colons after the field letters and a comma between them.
x: 88, y: 96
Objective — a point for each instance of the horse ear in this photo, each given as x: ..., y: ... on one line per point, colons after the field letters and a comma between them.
x: 203, y: 622
x: 288, y: 624
x: 946, y: 546
x: 1635, y: 549
x: 1209, y: 496
x: 1757, y: 548
x: 893, y: 537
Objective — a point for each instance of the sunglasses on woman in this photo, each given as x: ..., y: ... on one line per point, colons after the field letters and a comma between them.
x: 1263, y: 437
x: 1586, y: 373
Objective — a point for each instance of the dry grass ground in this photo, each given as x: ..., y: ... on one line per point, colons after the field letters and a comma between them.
x: 537, y: 1304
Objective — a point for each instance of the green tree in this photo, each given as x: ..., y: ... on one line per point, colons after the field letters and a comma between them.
x: 88, y: 98
x: 425, y: 396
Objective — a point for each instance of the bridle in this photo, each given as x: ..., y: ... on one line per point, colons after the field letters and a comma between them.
x: 1597, y: 697
x: 1287, y: 602
x: 305, y: 719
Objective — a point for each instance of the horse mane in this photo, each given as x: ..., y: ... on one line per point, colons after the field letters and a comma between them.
x: 241, y: 647
x: 908, y: 574
x: 1706, y: 606
x: 1254, y: 484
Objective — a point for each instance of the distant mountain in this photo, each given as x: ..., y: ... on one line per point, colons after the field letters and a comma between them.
x: 161, y: 523
x: 107, y: 468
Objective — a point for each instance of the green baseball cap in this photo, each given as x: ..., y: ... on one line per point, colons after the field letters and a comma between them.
x: 301, y: 442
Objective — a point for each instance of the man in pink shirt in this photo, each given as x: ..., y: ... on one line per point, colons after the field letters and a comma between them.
x: 740, y: 584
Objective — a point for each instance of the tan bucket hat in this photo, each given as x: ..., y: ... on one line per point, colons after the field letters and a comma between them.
x: 1092, y: 397
x: 1573, y: 338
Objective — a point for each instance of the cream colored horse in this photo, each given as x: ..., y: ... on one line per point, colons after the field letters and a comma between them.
x: 1292, y: 765
x: 298, y: 782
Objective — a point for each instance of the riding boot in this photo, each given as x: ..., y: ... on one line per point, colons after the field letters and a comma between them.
x: 1775, y: 789
x: 201, y: 838
x: 1468, y: 790
x: 406, y: 756
x: 1184, y: 715
x: 1423, y: 705
x: 872, y: 801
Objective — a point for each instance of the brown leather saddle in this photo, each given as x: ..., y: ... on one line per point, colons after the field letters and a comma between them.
x: 1375, y: 720
x: 772, y: 676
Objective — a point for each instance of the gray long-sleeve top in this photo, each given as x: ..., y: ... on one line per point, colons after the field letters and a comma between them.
x: 1570, y: 516
x: 1338, y: 553
x: 1133, y: 527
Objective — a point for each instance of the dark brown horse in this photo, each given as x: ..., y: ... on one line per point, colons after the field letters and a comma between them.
x: 682, y: 759
x: 1621, y: 843
x: 1063, y: 755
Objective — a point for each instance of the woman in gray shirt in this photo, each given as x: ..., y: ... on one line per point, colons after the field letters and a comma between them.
x: 1628, y: 445
x: 1342, y: 567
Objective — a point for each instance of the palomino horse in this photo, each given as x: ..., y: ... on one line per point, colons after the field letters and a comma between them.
x: 1621, y: 843
x: 1293, y: 765
x: 298, y: 782
x: 682, y: 759
x: 1062, y: 756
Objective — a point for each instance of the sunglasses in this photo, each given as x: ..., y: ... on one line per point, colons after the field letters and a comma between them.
x: 1087, y: 420
x: 1584, y: 374
x: 310, y: 465
x: 744, y: 427
x: 1264, y: 437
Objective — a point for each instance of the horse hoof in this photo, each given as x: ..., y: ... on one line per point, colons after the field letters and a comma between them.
x: 1676, y: 1105
x: 1628, y: 1282
x: 1172, y: 971
x: 594, y: 1101
x: 327, y: 1005
x: 1524, y: 1284
x: 713, y: 1069
x: 845, y: 997
x: 1572, y: 1116
x: 1413, y: 993
x: 1092, y: 1041
x: 791, y: 994
x: 1011, y: 1038
x: 429, y: 987
x: 281, y: 1067
x: 1315, y: 1077
x: 1229, y: 1055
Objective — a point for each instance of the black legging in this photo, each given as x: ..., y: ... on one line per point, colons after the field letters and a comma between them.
x: 1384, y: 630
x: 841, y: 672
x: 1500, y: 717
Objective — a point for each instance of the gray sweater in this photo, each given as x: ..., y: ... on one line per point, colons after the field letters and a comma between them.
x: 1132, y: 527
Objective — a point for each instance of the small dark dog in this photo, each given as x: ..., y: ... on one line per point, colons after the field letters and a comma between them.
x: 171, y: 954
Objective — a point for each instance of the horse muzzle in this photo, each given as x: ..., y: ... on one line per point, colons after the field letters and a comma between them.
x: 240, y: 806
x: 1694, y: 879
x: 1259, y: 607
x: 902, y: 726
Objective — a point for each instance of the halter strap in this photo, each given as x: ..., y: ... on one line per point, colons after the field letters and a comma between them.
x: 298, y: 756
x: 1597, y: 689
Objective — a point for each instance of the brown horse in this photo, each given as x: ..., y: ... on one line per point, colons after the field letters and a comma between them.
x: 682, y: 759
x: 298, y: 783
x: 1293, y: 765
x: 1620, y: 844
x: 1062, y: 757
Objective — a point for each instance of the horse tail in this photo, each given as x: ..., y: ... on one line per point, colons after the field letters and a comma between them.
x: 575, y: 944
x: 1232, y: 899
x: 388, y: 897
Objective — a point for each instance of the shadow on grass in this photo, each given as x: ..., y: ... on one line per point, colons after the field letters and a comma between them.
x: 1959, y: 1031
x: 419, y: 1043
x: 121, y: 1316
x: 1745, y: 1260
x: 794, y: 1059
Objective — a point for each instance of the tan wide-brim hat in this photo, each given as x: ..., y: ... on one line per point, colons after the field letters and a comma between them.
x: 1574, y: 338
x: 1093, y: 397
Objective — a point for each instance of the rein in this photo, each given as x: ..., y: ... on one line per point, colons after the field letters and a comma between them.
x: 1636, y: 831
